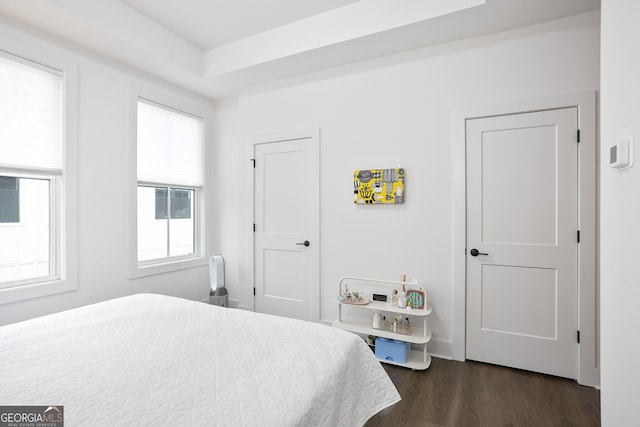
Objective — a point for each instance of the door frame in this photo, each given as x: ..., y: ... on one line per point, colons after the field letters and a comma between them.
x: 312, y: 134
x: 588, y: 292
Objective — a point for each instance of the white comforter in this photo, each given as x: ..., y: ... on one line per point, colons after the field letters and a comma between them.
x: 158, y: 360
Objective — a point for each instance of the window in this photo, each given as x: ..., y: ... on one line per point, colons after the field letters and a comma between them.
x: 170, y: 158
x: 31, y: 172
x: 179, y: 204
x: 9, y: 200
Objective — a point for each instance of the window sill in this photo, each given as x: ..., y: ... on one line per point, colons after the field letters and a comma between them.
x: 166, y: 266
x: 36, y: 290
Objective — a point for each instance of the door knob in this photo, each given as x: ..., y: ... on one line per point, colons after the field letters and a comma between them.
x: 305, y: 243
x: 475, y: 252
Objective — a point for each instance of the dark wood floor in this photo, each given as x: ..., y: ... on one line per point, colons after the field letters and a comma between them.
x: 470, y: 394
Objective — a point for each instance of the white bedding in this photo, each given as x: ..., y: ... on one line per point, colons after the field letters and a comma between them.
x: 158, y: 360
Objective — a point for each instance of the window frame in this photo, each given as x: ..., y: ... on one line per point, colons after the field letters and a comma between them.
x: 201, y: 210
x: 63, y: 183
x: 197, y: 213
x: 54, y: 178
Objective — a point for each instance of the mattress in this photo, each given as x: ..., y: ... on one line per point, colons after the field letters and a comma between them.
x: 158, y: 360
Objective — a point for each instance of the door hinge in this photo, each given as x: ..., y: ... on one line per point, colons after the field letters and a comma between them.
x: 578, y: 337
x: 254, y: 227
x: 578, y: 236
x: 254, y: 162
x: 578, y: 135
x: 254, y: 294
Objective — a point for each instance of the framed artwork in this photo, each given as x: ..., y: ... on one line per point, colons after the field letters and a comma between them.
x: 417, y: 299
x: 375, y: 186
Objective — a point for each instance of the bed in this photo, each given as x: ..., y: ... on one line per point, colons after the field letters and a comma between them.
x: 156, y: 360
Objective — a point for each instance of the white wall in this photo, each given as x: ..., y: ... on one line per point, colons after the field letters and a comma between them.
x: 620, y: 214
x: 229, y: 164
x: 398, y: 111
x: 103, y: 137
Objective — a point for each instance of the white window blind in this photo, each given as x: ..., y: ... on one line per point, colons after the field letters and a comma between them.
x: 170, y: 146
x: 30, y: 114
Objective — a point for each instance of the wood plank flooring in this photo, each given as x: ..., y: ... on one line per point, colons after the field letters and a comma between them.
x: 472, y: 394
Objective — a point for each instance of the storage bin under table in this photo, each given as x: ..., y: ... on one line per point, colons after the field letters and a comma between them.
x: 394, y: 350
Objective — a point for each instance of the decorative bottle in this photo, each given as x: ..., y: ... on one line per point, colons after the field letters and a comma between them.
x: 376, y: 320
x: 402, y: 298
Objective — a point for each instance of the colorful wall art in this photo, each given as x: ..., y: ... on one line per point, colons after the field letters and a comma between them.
x: 373, y: 186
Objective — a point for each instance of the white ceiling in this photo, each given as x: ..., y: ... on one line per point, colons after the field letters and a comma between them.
x: 219, y: 47
x: 212, y: 23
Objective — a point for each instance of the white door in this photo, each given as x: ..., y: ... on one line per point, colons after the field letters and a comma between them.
x: 286, y: 213
x: 522, y: 216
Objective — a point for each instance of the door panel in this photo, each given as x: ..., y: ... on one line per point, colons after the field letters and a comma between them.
x: 286, y: 206
x: 522, y: 213
x: 520, y: 209
x: 283, y: 283
x: 283, y: 193
x: 511, y: 297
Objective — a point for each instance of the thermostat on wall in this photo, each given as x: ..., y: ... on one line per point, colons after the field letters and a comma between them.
x: 620, y: 154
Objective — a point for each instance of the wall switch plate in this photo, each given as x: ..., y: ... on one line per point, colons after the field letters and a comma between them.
x: 621, y: 154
